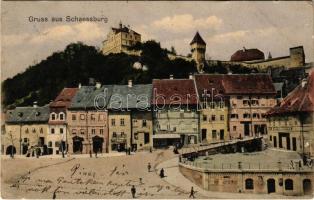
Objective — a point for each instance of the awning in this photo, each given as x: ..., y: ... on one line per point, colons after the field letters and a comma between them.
x: 166, y: 136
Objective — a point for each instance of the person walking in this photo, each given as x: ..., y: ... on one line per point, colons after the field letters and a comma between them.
x: 133, y: 191
x: 162, y: 173
x: 54, y: 196
x: 149, y: 167
x: 192, y: 193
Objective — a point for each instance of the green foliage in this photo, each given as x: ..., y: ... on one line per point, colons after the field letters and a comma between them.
x: 79, y: 62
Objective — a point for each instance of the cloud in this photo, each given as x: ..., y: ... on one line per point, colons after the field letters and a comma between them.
x: 70, y: 33
x: 186, y: 22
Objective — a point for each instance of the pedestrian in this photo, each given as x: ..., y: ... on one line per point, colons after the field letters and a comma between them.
x: 133, y: 191
x: 192, y: 193
x: 149, y: 167
x: 54, y: 196
x: 150, y: 150
x: 90, y: 153
x: 162, y: 173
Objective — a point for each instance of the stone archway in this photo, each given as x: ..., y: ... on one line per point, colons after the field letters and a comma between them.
x: 97, y: 144
x: 271, y: 185
x: 77, y: 144
x: 307, y: 186
x: 11, y: 150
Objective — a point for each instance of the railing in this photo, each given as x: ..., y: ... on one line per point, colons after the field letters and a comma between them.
x: 246, y: 166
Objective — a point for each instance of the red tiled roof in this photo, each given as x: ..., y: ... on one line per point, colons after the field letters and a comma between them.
x: 301, y: 99
x: 235, y: 83
x: 247, y: 55
x: 64, y: 98
x: 248, y: 84
x: 169, y: 88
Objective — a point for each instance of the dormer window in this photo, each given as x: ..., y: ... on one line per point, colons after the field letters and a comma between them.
x: 20, y: 114
x: 53, y: 116
x: 61, y: 116
x: 37, y: 114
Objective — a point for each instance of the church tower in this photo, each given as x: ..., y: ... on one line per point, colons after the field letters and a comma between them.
x: 198, y: 49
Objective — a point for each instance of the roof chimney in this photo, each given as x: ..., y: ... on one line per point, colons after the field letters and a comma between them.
x: 130, y: 83
x: 171, y: 76
x: 303, y: 82
x: 79, y: 85
x: 98, y: 85
x: 244, y: 49
x: 190, y: 76
x: 35, y: 104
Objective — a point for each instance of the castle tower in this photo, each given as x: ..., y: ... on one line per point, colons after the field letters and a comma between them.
x: 198, y: 49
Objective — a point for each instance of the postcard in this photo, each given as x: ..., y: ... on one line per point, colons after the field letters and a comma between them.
x: 157, y: 99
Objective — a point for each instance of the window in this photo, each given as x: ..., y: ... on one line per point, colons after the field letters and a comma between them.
x: 41, y: 130
x: 144, y: 123
x: 113, y: 122
x: 49, y: 144
x: 255, y: 115
x: 82, y: 116
x: 25, y: 140
x: 93, y: 131
x: 34, y: 130
x: 57, y: 144
x: 82, y: 132
x: 213, y: 117
x: 146, y: 138
x: 61, y: 130
x: 92, y: 117
x: 114, y: 134
x: 234, y: 128
x: 222, y: 117
x: 101, y: 131
x: 122, y: 122
x: 204, y: 118
x: 61, y: 116
x: 101, y: 117
x: 255, y: 102
x: 52, y: 131
x: 53, y: 116
x: 214, y: 134
x: 270, y: 138
x: 246, y: 115
x: 245, y: 102
x: 249, y: 184
x: 234, y: 116
x: 26, y: 130
x: 73, y: 117
x: 288, y: 184
x: 122, y: 134
x: 74, y: 131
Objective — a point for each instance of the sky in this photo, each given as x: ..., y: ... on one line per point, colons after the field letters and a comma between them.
x: 225, y: 26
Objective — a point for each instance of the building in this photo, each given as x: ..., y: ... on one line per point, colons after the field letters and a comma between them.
x: 250, y: 97
x: 255, y: 58
x: 120, y: 39
x: 26, y: 130
x: 130, y: 117
x: 175, y: 116
x: 213, y: 109
x: 290, y: 123
x: 198, y: 49
x: 247, y: 55
x: 57, y: 132
x: 87, y: 119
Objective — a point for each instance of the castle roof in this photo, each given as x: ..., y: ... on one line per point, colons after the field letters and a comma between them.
x: 232, y: 84
x: 198, y: 39
x: 247, y: 55
x: 28, y: 115
x: 301, y: 99
x: 136, y: 96
x: 174, y: 91
x: 63, y: 100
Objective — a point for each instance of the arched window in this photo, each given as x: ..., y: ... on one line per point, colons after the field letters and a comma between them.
x: 249, y: 184
x: 53, y: 116
x: 61, y: 116
x: 288, y: 184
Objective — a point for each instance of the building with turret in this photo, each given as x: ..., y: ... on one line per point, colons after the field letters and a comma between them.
x: 120, y: 39
x: 198, y: 49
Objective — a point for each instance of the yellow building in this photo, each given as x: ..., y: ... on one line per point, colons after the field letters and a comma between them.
x: 290, y: 124
x: 26, y: 128
x: 120, y: 39
x: 214, y: 122
x: 142, y: 128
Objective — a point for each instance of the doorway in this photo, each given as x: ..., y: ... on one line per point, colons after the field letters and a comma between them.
x: 271, y: 186
x: 10, y: 150
x: 246, y: 129
x: 307, y: 186
x: 97, y: 144
x: 77, y: 144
